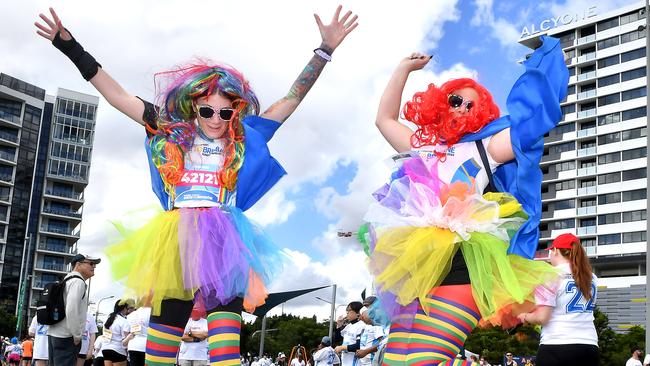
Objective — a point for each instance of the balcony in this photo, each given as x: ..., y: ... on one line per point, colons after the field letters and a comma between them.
x: 585, y: 191
x: 8, y: 137
x: 589, y: 210
x: 70, y: 138
x: 586, y: 171
x: 586, y: 39
x: 68, y: 176
x: 9, y: 117
x: 58, y: 248
x: 8, y: 157
x: 586, y: 94
x: 63, y: 193
x: 51, y: 266
x: 59, y: 230
x: 587, y: 75
x: 586, y: 230
x: 585, y: 58
x: 61, y: 212
x: 587, y: 113
x: 587, y: 151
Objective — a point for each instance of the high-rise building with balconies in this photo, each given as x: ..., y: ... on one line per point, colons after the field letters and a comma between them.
x: 594, y: 162
x: 45, y: 152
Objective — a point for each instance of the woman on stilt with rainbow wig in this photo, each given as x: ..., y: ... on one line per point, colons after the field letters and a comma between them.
x: 453, y: 234
x: 209, y: 162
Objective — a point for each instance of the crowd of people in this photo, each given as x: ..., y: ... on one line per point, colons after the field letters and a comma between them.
x: 451, y: 237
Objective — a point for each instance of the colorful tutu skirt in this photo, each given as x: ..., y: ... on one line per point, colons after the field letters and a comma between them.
x: 208, y: 255
x: 417, y: 225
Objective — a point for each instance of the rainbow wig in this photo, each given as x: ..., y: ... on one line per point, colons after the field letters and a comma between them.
x: 430, y: 112
x: 177, y: 91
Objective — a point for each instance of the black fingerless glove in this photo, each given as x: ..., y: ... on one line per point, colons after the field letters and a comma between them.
x: 85, y: 62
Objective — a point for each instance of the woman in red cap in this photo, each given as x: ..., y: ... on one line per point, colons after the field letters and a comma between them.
x: 565, y: 309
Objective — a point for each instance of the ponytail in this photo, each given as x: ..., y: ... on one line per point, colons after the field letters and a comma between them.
x: 580, y: 268
x: 117, y: 308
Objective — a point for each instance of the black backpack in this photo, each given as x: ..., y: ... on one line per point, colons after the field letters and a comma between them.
x: 50, y: 308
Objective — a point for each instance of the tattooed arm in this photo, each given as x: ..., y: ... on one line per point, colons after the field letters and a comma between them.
x: 332, y: 35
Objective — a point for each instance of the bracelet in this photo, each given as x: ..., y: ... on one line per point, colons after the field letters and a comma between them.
x: 323, y: 54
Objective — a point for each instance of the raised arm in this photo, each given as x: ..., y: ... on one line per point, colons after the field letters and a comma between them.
x: 397, y: 134
x: 91, y: 70
x: 332, y: 35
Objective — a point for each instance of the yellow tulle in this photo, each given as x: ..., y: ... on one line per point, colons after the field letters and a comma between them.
x: 149, y: 258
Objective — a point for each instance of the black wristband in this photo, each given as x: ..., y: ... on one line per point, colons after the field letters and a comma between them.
x: 83, y: 60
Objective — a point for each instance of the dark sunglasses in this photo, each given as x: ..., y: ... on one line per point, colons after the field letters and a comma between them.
x: 207, y: 111
x: 457, y: 101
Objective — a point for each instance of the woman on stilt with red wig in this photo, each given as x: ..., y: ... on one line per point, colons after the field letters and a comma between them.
x: 209, y: 161
x: 453, y: 233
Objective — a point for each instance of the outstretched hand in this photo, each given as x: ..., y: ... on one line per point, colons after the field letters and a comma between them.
x: 335, y: 32
x: 52, y: 27
x: 415, y: 61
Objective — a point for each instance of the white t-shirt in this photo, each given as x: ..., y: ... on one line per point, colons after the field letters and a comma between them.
x: 90, y: 328
x: 116, y: 334
x: 370, y: 336
x: 463, y: 163
x: 139, y: 326
x: 646, y: 359
x: 40, y: 339
x: 296, y: 362
x: 197, y: 351
x: 97, y: 347
x: 325, y: 357
x: 199, y: 186
x: 572, y: 318
x: 350, y: 334
x: 633, y: 362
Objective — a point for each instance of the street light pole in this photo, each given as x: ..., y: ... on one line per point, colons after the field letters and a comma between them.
x: 99, y: 302
x: 331, y: 333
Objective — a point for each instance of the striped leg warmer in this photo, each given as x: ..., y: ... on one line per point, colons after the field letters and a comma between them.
x: 223, y: 338
x: 163, y: 342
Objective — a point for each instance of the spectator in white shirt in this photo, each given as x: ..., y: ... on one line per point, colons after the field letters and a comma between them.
x: 39, y: 332
x: 194, y: 345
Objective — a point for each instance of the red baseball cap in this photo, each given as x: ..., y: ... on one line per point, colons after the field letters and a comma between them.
x: 564, y: 241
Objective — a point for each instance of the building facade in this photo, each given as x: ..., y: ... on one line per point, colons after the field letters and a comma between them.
x: 594, y: 162
x: 45, y: 152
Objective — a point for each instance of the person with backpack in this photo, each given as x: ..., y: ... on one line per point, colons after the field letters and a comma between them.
x: 67, y: 322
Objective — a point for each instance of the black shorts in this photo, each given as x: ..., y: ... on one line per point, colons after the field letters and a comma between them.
x: 27, y: 358
x: 567, y: 354
x: 81, y: 356
x: 110, y: 355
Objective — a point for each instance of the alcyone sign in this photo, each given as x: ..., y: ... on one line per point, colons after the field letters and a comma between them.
x: 551, y: 23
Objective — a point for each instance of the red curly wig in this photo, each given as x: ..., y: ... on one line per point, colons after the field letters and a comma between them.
x: 430, y: 112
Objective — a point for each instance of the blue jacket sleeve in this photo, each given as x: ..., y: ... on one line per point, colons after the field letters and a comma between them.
x: 260, y: 171
x: 534, y: 107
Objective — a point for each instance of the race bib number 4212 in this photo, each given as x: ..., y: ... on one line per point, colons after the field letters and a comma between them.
x: 199, y: 178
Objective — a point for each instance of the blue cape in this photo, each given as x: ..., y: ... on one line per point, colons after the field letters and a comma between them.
x: 259, y: 171
x: 534, y: 107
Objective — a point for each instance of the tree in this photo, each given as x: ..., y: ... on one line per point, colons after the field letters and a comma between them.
x: 7, y: 322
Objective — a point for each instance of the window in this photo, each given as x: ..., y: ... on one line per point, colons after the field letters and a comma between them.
x: 588, y: 202
x: 568, y: 108
x: 587, y: 144
x: 564, y: 224
x: 572, y: 89
x: 588, y: 242
x: 632, y: 36
x: 605, y: 199
x: 634, y: 113
x: 634, y: 133
x: 634, y: 174
x: 613, y: 218
x: 607, y: 24
x: 634, y: 216
x: 609, y: 99
x: 564, y: 185
x: 572, y: 70
x: 607, y: 43
x: 634, y: 93
x: 633, y: 16
x: 634, y: 237
x: 632, y: 55
x: 609, y: 61
x: 561, y: 129
x: 565, y: 204
x: 609, y: 158
x: 609, y: 138
x: 608, y: 80
x: 638, y: 153
x: 609, y: 239
x: 587, y: 183
x: 633, y: 74
x: 567, y: 38
x: 567, y: 165
x: 609, y: 119
x: 637, y: 194
x: 560, y: 148
x: 588, y: 222
x: 587, y: 163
